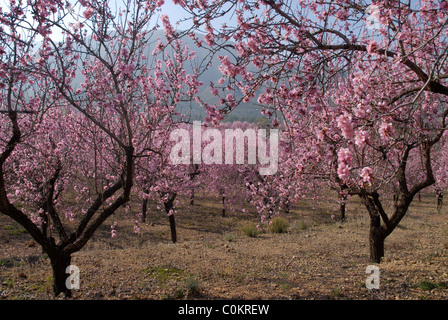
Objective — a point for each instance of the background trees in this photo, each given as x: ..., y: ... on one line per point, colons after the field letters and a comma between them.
x: 359, y: 90
x: 360, y: 86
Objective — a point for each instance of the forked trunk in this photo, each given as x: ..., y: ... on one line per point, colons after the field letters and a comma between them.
x: 377, y: 231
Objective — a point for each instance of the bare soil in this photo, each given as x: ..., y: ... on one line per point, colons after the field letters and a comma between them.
x: 317, y: 258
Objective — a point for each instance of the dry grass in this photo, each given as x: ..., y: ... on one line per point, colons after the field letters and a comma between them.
x: 317, y: 258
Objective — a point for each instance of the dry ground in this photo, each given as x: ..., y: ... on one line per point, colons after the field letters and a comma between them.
x: 317, y: 258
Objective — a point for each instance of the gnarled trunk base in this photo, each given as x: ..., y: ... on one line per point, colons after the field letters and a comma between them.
x: 59, y: 264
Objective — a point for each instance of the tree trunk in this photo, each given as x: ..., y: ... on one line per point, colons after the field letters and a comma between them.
x: 342, y: 211
x: 192, y: 196
x: 59, y: 264
x: 223, y: 206
x: 439, y: 201
x: 342, y: 207
x: 144, y: 209
x: 168, y: 207
x: 377, y: 232
x: 173, y: 228
x: 376, y: 241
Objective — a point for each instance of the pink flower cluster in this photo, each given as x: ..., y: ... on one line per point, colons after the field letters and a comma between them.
x: 367, y: 175
x: 386, y: 131
x: 169, y: 30
x: 113, y: 232
x: 345, y: 124
x: 345, y: 158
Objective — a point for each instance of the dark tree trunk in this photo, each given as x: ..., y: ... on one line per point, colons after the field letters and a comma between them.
x: 59, y: 264
x: 342, y: 207
x: 168, y: 207
x: 342, y: 211
x: 381, y: 226
x: 223, y: 206
x: 439, y: 201
x: 377, y: 232
x: 173, y: 228
x: 144, y: 209
x: 192, y: 196
x: 376, y: 240
x: 44, y: 227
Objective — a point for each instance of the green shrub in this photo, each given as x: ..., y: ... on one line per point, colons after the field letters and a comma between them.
x: 229, y: 237
x: 427, y: 285
x: 192, y: 285
x: 279, y: 225
x: 301, y: 225
x: 249, y: 229
x: 336, y: 292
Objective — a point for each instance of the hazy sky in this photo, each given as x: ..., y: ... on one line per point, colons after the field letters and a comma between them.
x: 175, y: 13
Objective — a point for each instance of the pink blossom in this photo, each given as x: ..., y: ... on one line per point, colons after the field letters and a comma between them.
x: 88, y: 13
x: 360, y: 111
x: 372, y: 46
x: 345, y: 124
x: 386, y: 131
x: 362, y: 138
x: 120, y: 97
x: 367, y: 174
x: 345, y: 158
x: 443, y: 6
x: 343, y: 172
x: 167, y: 26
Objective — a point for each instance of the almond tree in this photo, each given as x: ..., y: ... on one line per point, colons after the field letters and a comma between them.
x: 163, y: 181
x: 360, y: 85
x: 78, y: 113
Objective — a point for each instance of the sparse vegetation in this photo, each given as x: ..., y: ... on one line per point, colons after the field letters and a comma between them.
x: 229, y: 237
x: 337, y: 292
x: 164, y: 273
x: 279, y: 225
x: 216, y: 259
x: 428, y: 285
x: 250, y: 229
x: 14, y: 230
x: 192, y: 285
x: 302, y: 225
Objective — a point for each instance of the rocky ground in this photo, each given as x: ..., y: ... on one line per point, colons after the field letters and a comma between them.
x: 317, y: 258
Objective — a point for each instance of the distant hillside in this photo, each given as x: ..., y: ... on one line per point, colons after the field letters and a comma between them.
x: 244, y: 112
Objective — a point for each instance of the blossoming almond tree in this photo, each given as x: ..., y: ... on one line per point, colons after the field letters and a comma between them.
x: 61, y: 138
x: 361, y: 87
